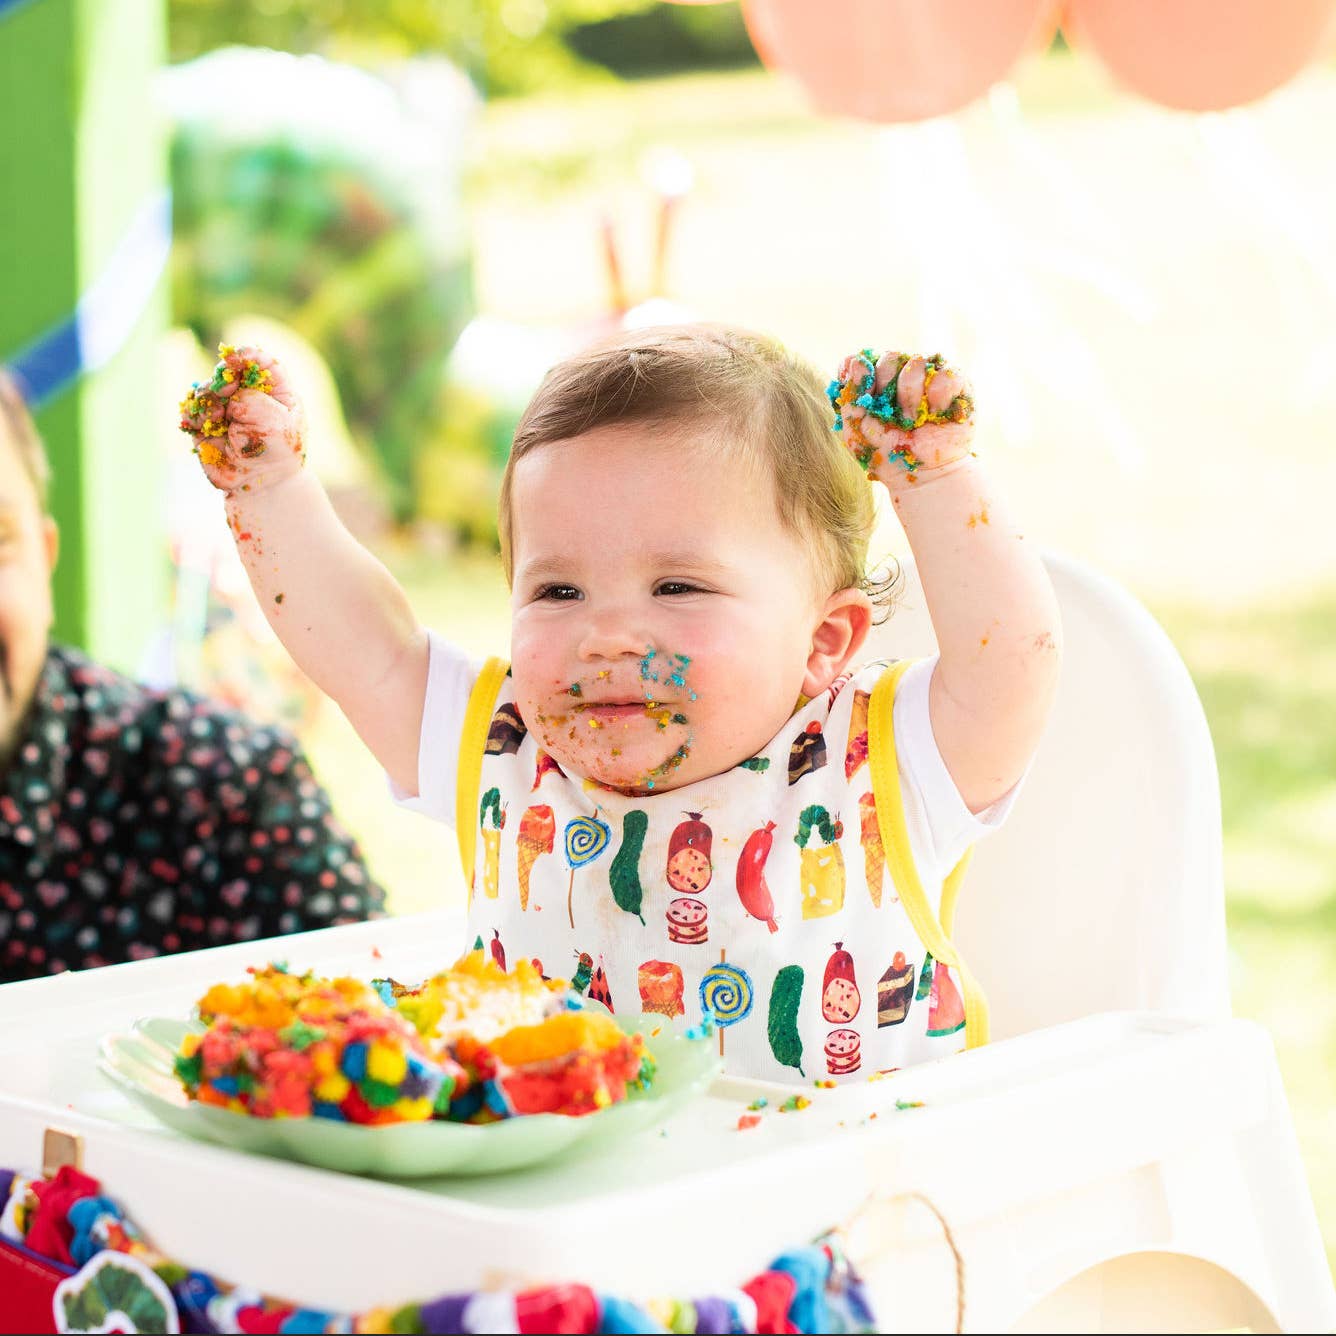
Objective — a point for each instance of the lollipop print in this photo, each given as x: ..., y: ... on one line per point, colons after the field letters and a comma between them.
x: 586, y: 837
x: 725, y: 994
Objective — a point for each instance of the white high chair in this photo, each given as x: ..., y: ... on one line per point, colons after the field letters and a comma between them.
x: 1103, y: 893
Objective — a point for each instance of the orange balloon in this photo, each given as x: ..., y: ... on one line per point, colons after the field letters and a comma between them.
x: 1201, y: 55
x: 896, y: 60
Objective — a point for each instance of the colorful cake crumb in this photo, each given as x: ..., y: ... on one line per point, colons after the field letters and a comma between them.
x: 294, y: 1046
x: 527, y: 1043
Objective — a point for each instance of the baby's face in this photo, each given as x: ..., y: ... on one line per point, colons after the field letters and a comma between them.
x: 662, y: 617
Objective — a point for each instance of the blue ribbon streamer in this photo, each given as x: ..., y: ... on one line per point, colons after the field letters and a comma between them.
x: 107, y: 312
x: 7, y: 7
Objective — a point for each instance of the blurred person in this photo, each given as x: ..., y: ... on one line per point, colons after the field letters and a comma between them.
x: 137, y: 822
x: 685, y: 540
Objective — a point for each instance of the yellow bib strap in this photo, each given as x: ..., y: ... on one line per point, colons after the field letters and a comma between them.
x: 895, y: 841
x: 472, y: 744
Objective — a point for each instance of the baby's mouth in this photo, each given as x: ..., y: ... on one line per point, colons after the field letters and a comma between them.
x: 614, y: 707
x: 616, y: 711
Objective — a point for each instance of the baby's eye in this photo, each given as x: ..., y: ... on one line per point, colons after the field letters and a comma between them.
x: 558, y: 593
x: 676, y: 587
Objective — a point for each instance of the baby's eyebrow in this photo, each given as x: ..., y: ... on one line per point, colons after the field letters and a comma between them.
x: 694, y: 561
x: 676, y: 561
x: 534, y: 570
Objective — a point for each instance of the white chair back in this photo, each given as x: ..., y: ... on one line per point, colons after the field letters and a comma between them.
x: 1103, y: 891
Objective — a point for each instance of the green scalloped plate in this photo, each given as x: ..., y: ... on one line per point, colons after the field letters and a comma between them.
x: 140, y: 1062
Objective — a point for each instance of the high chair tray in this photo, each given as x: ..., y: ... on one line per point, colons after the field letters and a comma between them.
x: 698, y: 1199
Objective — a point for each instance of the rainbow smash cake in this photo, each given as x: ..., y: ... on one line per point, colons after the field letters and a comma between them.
x: 471, y: 1044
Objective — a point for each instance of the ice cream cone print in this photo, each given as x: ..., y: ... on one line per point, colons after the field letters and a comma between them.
x: 820, y: 866
x: 856, y: 753
x: 874, y: 853
x: 537, y: 836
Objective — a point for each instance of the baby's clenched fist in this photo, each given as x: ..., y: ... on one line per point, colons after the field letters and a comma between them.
x: 901, y: 416
x: 247, y: 424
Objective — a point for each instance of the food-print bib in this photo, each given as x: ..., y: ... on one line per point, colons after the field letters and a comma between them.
x: 781, y: 896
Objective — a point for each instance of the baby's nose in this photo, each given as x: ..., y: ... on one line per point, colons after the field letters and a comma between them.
x: 612, y: 637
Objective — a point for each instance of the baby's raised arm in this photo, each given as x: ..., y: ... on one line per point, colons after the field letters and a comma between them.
x: 909, y: 422
x: 337, y: 610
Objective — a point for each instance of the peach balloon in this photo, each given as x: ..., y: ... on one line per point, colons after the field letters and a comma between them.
x: 897, y: 60
x: 1201, y: 55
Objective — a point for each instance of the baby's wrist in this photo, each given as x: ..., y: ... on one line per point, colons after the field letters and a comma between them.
x: 266, y: 487
x: 903, y: 480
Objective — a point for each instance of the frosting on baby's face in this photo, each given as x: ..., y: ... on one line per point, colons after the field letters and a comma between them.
x: 662, y: 617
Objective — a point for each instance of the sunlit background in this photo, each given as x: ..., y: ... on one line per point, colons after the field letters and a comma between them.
x: 421, y: 205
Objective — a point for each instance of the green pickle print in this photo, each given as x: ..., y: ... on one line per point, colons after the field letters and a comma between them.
x: 785, y: 1042
x: 625, y: 872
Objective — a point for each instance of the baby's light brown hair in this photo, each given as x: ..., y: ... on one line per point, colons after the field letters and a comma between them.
x: 744, y: 392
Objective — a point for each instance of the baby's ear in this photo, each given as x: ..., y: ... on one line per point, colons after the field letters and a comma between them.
x: 843, y: 627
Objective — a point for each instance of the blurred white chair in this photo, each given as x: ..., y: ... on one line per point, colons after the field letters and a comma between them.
x: 1104, y: 890
x: 1103, y: 893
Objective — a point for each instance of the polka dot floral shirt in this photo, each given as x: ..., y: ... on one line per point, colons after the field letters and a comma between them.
x: 137, y: 823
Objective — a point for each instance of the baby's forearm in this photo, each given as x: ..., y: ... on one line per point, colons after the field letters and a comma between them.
x: 339, y: 613
x: 996, y: 619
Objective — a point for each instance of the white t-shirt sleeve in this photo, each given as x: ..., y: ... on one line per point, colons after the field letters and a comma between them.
x: 941, y: 826
x: 450, y: 678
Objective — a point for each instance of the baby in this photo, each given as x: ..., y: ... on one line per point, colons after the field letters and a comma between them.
x: 684, y: 790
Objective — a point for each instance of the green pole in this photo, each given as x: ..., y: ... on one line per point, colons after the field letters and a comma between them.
x: 81, y: 159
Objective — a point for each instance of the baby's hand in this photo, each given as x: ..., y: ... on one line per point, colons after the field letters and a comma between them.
x: 246, y: 422
x: 901, y: 415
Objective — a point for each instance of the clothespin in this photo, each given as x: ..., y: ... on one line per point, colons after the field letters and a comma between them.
x: 60, y: 1148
